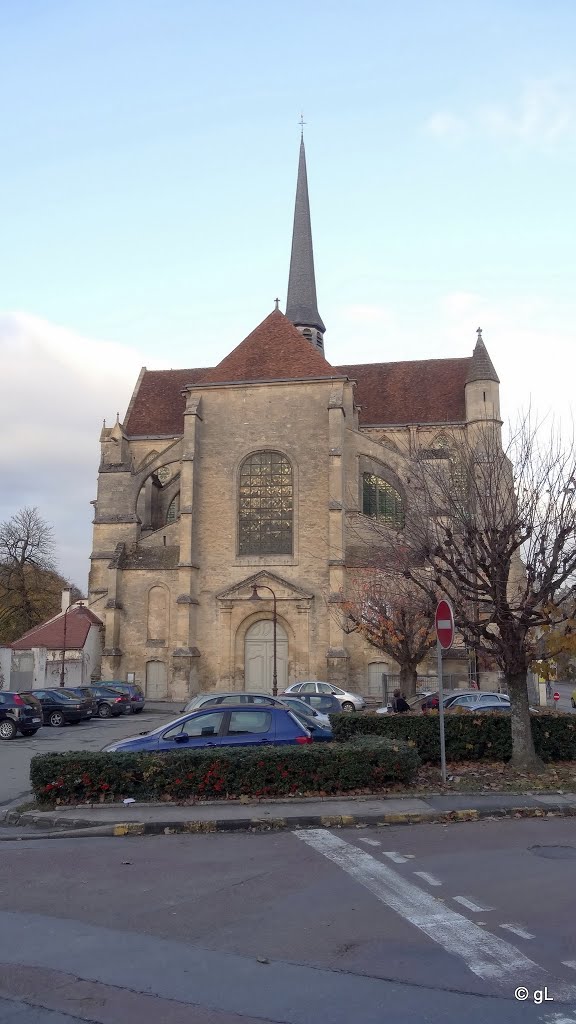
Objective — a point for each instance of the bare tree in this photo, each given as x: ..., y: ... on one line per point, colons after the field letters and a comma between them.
x: 495, y: 529
x: 29, y: 583
x: 393, y: 615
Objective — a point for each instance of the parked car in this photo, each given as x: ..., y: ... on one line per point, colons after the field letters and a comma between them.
x: 301, y: 704
x: 59, y: 707
x: 323, y: 703
x: 348, y: 701
x: 415, y: 702
x: 237, y: 725
x: 477, y: 699
x: 430, y: 702
x: 137, y: 699
x: 91, y: 707
x: 18, y: 713
x: 105, y: 702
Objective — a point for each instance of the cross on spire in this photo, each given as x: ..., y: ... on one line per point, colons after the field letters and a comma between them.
x: 479, y: 333
x: 302, y: 122
x: 277, y: 302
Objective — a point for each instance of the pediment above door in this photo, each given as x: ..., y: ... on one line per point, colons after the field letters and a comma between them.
x: 284, y: 589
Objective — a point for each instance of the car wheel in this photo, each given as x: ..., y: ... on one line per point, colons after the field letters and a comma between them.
x: 7, y: 729
x: 29, y: 732
x: 348, y: 706
x: 56, y: 718
x: 104, y: 711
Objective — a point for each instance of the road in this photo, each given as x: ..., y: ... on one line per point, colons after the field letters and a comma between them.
x: 16, y: 754
x: 430, y: 924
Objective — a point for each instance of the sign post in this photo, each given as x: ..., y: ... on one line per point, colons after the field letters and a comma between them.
x: 444, y: 621
x: 556, y: 699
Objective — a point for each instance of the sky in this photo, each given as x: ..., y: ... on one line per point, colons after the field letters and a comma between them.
x: 148, y: 158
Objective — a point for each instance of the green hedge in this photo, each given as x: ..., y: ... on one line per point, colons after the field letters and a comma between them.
x: 367, y: 763
x: 485, y: 736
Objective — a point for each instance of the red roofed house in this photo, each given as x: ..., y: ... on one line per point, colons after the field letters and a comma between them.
x: 71, y: 640
x: 248, y: 480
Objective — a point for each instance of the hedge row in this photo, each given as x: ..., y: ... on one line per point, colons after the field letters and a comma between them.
x: 469, y: 737
x: 366, y: 763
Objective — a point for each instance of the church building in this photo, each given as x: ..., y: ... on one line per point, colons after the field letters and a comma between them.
x: 235, y: 492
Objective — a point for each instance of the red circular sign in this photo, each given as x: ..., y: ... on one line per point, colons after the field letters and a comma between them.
x: 444, y: 620
x: 556, y: 695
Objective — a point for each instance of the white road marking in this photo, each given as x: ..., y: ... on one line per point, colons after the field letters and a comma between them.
x: 369, y: 842
x: 559, y: 1018
x: 396, y: 857
x: 428, y: 878
x: 517, y: 930
x: 486, y: 955
x: 570, y: 963
x: 472, y: 906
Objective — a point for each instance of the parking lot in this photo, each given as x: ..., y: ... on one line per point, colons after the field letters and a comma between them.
x: 16, y: 754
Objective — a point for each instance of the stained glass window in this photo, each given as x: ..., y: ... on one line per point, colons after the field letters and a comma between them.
x: 266, y: 503
x: 173, y: 509
x: 381, y: 501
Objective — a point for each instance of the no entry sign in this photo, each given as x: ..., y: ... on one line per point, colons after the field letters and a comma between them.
x: 556, y: 695
x: 444, y: 620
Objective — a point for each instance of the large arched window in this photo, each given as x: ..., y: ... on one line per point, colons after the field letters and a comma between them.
x: 266, y: 503
x: 381, y: 501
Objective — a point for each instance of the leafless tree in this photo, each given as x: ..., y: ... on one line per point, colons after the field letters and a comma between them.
x: 393, y: 615
x: 494, y: 528
x: 29, y: 583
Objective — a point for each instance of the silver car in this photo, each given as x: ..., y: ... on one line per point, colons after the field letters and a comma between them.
x: 202, y: 700
x: 348, y: 701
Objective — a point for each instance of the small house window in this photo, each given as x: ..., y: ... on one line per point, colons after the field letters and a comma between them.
x: 173, y: 512
x: 381, y: 501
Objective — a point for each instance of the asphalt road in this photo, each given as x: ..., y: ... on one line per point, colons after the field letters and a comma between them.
x: 16, y: 754
x: 424, y: 924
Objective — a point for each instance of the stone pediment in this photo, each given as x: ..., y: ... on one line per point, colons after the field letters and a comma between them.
x: 284, y: 590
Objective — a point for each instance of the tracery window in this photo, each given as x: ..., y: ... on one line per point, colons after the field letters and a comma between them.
x: 173, y: 512
x: 381, y: 501
x: 266, y: 505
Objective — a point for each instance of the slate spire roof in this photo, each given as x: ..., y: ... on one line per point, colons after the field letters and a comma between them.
x: 481, y: 366
x: 275, y: 350
x: 301, y: 303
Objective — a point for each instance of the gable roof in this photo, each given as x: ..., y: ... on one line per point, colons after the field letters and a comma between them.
x: 418, y: 391
x: 157, y: 406
x: 51, y: 634
x: 275, y: 350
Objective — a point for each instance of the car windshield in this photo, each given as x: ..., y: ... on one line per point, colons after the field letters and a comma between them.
x: 64, y: 697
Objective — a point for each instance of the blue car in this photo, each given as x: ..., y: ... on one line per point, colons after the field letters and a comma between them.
x: 243, y: 725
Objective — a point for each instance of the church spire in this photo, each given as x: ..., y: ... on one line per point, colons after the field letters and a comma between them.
x: 301, y: 304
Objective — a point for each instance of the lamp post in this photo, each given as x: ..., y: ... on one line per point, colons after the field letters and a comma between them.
x: 255, y: 596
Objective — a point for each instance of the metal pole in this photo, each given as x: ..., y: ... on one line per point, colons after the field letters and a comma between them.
x: 63, y: 665
x: 441, y: 710
x: 274, y: 667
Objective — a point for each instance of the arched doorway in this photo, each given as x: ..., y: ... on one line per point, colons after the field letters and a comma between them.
x: 259, y: 657
x: 156, y: 684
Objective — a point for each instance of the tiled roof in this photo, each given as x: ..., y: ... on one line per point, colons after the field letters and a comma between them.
x: 51, y: 634
x: 419, y: 391
x: 157, y: 408
x: 275, y: 350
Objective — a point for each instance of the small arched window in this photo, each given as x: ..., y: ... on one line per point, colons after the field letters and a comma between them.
x: 266, y: 503
x: 381, y: 501
x: 173, y: 509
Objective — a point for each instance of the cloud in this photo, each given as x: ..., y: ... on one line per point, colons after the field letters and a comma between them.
x: 545, y: 113
x: 60, y: 386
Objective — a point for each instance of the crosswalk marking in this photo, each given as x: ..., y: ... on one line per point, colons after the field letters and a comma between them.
x: 471, y: 906
x: 428, y: 878
x: 517, y: 930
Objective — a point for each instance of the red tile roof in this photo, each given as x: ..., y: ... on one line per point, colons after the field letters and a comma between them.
x: 51, y: 634
x: 419, y: 391
x: 275, y: 350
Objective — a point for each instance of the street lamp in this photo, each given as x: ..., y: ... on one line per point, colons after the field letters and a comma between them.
x: 63, y: 665
x: 255, y: 596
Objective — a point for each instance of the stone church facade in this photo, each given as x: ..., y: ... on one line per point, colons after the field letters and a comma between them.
x: 265, y: 470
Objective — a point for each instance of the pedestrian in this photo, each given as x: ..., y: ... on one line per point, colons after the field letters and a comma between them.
x: 399, y: 703
x: 548, y: 689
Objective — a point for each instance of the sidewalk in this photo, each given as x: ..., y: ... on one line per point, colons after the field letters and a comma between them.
x: 329, y: 812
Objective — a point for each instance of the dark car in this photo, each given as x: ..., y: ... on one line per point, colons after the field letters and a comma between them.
x: 91, y: 708
x: 326, y: 705
x: 106, y: 702
x: 226, y: 726
x: 58, y: 707
x: 131, y: 690
x: 18, y: 713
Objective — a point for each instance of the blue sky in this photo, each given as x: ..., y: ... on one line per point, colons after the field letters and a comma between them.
x: 147, y: 178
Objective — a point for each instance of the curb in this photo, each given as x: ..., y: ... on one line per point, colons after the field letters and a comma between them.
x: 66, y: 828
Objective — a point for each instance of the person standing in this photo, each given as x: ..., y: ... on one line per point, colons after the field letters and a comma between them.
x: 399, y: 703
